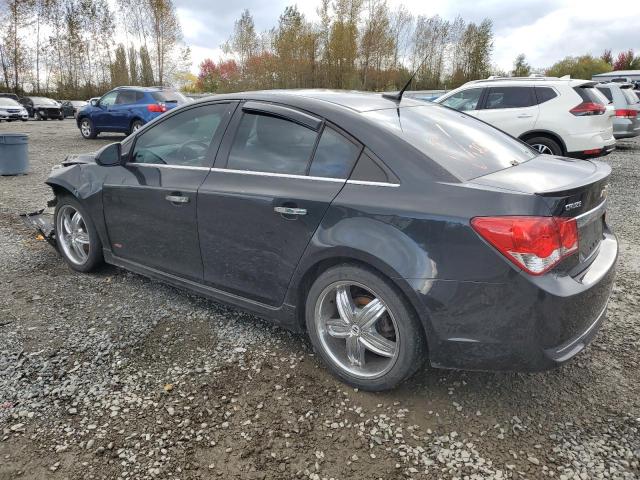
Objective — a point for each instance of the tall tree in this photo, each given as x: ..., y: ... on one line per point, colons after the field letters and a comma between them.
x: 244, y: 40
x: 134, y: 74
x: 583, y: 67
x: 520, y: 67
x: 119, y: 68
x: 624, y: 60
x: 146, y: 69
x: 165, y: 34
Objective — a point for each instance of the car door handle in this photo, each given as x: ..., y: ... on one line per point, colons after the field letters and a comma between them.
x: 290, y: 210
x: 525, y: 115
x: 177, y: 199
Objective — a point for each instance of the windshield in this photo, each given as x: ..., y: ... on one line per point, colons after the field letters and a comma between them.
x: 78, y: 103
x: 43, y: 101
x: 463, y: 145
x: 169, y: 96
x: 8, y: 102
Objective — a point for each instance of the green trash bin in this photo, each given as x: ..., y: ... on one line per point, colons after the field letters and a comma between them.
x: 14, y: 153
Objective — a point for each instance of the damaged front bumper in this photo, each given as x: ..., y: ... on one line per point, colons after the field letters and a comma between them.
x: 42, y: 222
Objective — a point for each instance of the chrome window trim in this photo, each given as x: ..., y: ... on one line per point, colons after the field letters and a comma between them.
x: 160, y: 165
x: 587, y: 217
x: 279, y: 175
x: 374, y: 184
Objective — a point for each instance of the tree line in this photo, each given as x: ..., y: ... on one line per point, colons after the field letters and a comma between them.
x: 66, y: 48
x: 354, y: 44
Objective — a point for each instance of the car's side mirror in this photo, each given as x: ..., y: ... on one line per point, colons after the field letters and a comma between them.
x: 110, y: 155
x: 94, y: 103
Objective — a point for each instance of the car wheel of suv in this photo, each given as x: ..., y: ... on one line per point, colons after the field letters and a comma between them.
x: 545, y: 145
x: 135, y: 126
x: 37, y: 116
x: 76, y: 236
x: 363, y: 329
x: 61, y: 117
x: 86, y: 129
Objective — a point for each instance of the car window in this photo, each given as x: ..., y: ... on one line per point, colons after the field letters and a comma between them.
x: 335, y: 155
x: 109, y: 99
x: 545, y: 94
x: 126, y: 96
x: 464, y: 100
x: 463, y: 145
x: 591, y: 94
x: 269, y: 144
x: 169, y: 96
x: 606, y: 91
x: 368, y: 170
x: 182, y: 139
x: 7, y: 102
x: 630, y: 96
x: 509, y: 97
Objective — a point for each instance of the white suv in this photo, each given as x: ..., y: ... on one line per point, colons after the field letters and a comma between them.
x: 557, y: 116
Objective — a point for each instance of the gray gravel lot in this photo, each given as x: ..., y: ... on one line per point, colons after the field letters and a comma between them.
x: 112, y: 375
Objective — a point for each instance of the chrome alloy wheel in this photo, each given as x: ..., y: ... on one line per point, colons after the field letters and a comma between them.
x: 85, y: 127
x: 543, y: 149
x: 357, y: 330
x: 73, y: 234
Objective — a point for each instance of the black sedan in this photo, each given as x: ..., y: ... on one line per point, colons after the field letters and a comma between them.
x: 70, y: 108
x: 42, y: 108
x: 391, y: 231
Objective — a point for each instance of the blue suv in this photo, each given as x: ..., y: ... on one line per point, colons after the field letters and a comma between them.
x: 126, y: 109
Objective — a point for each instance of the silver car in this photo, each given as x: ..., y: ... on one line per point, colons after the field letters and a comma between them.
x: 626, y: 123
x: 11, y: 110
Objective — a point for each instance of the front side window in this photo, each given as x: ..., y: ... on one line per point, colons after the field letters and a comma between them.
x: 509, y: 97
x: 335, y: 155
x: 109, y: 99
x: 270, y: 144
x: 465, y: 100
x: 182, y: 139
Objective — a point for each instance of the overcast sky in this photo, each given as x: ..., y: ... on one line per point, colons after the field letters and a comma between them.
x: 544, y: 30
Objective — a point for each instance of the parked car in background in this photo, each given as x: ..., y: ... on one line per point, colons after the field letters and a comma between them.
x: 556, y: 116
x: 126, y: 109
x: 12, y: 96
x: 11, y: 110
x: 391, y: 230
x: 70, y: 108
x: 626, y: 123
x: 426, y: 95
x: 42, y: 108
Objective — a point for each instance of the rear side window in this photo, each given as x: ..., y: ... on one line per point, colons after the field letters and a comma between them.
x: 368, y: 170
x: 510, y: 97
x: 591, y: 95
x: 630, y: 96
x: 335, y: 155
x: 126, y: 96
x: 270, y: 144
x: 545, y: 94
x: 465, y: 100
x: 169, y: 96
x: 606, y: 92
x: 463, y: 145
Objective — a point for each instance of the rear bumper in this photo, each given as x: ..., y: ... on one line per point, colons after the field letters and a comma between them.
x: 596, y: 153
x: 526, y: 324
x: 626, y: 128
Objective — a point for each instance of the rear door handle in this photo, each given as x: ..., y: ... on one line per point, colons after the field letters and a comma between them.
x: 177, y: 199
x: 290, y: 210
x: 525, y: 115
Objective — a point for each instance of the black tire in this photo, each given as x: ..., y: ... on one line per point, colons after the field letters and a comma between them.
x: 135, y: 125
x: 61, y: 117
x: 37, y: 116
x: 544, y: 144
x: 95, y: 257
x: 411, y: 343
x: 89, y: 132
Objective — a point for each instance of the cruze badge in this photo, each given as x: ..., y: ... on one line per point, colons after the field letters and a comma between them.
x: 573, y: 206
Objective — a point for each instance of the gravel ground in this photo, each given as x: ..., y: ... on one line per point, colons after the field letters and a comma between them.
x: 112, y: 375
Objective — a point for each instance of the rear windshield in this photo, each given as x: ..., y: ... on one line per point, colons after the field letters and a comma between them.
x: 463, y: 145
x: 606, y: 92
x: 169, y: 96
x: 630, y: 95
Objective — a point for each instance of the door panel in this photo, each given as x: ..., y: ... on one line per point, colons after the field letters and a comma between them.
x: 248, y: 248
x: 511, y: 109
x: 146, y: 227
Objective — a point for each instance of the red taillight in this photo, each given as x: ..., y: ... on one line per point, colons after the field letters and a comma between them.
x: 588, y: 108
x: 624, y: 113
x: 593, y: 151
x: 535, y: 244
x: 157, y: 107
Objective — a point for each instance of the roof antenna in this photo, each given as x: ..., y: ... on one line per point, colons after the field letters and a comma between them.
x: 397, y: 97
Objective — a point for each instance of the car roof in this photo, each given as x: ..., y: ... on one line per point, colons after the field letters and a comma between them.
x: 342, y: 99
x: 528, y: 81
x: 143, y: 89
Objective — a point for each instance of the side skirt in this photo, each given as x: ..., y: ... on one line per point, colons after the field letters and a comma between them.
x: 284, y: 316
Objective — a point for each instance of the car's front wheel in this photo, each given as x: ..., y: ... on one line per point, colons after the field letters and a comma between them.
x: 363, y: 328
x: 86, y: 129
x: 76, y: 236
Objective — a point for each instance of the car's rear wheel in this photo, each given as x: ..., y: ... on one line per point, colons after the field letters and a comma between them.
x: 363, y: 328
x: 37, y: 116
x: 545, y: 145
x: 76, y: 236
x: 135, y: 126
x: 86, y: 129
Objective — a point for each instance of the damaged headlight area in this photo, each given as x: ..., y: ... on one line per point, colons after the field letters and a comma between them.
x: 42, y: 222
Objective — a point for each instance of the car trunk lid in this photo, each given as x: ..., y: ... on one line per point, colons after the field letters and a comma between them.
x: 570, y: 188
